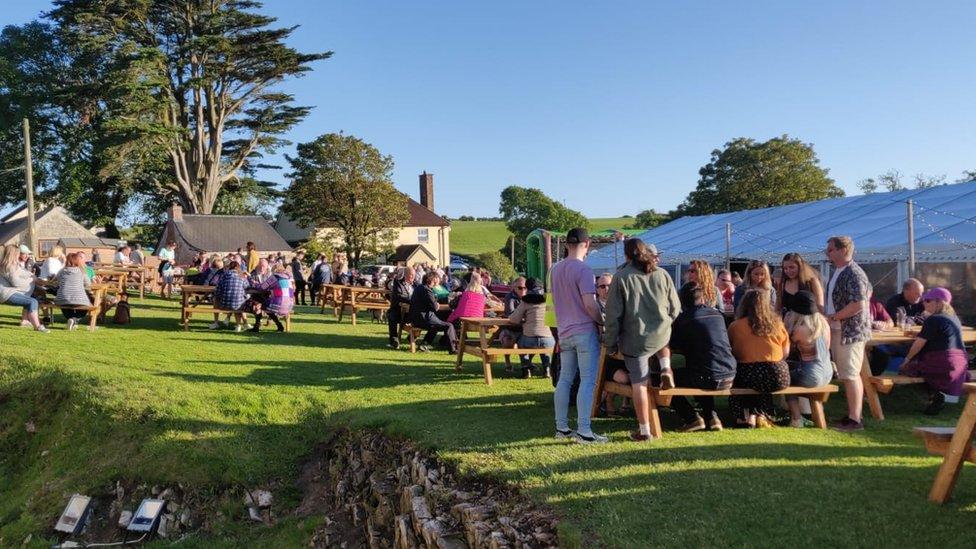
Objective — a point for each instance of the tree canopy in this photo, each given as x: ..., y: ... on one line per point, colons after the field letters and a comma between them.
x: 341, y: 183
x: 193, y: 80
x: 648, y: 219
x: 525, y: 210
x: 747, y: 174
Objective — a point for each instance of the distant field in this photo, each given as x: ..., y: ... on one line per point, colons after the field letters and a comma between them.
x: 477, y: 237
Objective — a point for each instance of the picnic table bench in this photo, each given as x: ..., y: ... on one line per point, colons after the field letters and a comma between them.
x: 955, y: 444
x: 662, y: 397
x: 884, y: 384
x: 486, y: 329
x: 330, y: 295
x: 95, y: 311
x: 204, y: 304
x: 357, y: 298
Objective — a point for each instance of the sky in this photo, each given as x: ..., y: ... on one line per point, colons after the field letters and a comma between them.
x: 612, y: 107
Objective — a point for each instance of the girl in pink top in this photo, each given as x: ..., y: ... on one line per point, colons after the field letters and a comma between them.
x: 472, y: 302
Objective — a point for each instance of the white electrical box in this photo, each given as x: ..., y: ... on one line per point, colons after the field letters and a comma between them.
x: 73, y: 518
x: 147, y: 516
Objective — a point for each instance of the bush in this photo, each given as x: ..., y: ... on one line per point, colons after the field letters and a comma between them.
x: 498, y: 265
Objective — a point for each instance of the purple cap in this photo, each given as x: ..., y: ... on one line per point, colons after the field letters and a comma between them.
x: 938, y: 293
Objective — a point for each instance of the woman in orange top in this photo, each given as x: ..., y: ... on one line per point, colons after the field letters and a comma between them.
x: 760, y: 345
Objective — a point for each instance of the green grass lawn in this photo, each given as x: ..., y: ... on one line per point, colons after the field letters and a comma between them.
x: 471, y: 238
x: 152, y: 403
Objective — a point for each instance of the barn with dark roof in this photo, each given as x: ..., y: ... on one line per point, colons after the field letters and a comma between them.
x: 220, y: 234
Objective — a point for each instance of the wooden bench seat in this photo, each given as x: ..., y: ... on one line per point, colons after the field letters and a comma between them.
x: 885, y: 383
x: 937, y: 441
x: 188, y: 312
x: 816, y: 395
x: 96, y: 311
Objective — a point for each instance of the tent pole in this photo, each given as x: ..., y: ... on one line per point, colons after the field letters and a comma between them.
x: 911, y: 240
x: 728, y: 247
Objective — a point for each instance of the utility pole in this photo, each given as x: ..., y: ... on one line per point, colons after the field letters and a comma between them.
x: 911, y: 240
x: 512, y: 248
x: 29, y: 181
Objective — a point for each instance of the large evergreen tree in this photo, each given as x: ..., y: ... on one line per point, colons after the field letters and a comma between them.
x: 194, y: 80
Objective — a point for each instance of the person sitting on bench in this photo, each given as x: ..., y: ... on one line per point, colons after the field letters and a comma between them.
x: 73, y: 287
x: 471, y: 303
x: 760, y: 344
x: 17, y: 288
x: 231, y: 293
x: 699, y: 333
x: 277, y: 298
x: 810, y: 336
x: 423, y: 314
x: 530, y: 317
x: 938, y: 354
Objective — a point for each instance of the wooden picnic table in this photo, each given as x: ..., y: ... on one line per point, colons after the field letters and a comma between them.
x: 98, y: 290
x: 113, y: 276
x: 955, y: 444
x: 368, y: 299
x: 873, y: 385
x: 487, y: 328
x: 145, y: 275
x: 204, y: 304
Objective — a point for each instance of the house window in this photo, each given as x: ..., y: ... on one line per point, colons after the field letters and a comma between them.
x: 422, y: 235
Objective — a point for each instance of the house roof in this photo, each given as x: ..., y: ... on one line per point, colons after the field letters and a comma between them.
x: 92, y: 242
x: 220, y: 233
x: 419, y: 217
x: 944, y: 222
x: 13, y: 224
x: 406, y: 251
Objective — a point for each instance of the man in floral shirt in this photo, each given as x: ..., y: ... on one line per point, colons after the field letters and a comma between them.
x: 847, y: 310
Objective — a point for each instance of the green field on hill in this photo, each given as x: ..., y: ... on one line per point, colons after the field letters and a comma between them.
x: 149, y: 403
x: 470, y: 238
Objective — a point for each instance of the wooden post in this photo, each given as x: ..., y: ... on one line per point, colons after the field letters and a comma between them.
x: 29, y: 182
x: 911, y: 239
x: 512, y: 247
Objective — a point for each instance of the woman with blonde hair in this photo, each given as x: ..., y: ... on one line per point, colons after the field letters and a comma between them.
x: 53, y: 264
x: 760, y: 345
x: 810, y: 336
x: 938, y: 354
x: 700, y: 273
x: 757, y: 277
x: 471, y: 302
x: 17, y: 288
x: 798, y: 275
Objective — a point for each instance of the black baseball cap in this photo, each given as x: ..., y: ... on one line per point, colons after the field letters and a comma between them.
x: 576, y: 236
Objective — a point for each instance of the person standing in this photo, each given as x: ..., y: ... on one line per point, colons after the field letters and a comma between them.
x: 167, y: 262
x: 850, y: 325
x: 298, y: 275
x: 577, y: 317
x: 641, y: 305
x: 253, y: 258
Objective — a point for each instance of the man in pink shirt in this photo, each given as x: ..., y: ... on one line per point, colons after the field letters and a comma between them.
x: 577, y: 315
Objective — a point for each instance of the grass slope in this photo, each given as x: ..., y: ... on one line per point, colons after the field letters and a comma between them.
x: 155, y: 404
x: 471, y: 238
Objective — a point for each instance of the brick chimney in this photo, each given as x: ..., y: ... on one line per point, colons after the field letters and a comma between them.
x: 175, y: 212
x: 427, y: 190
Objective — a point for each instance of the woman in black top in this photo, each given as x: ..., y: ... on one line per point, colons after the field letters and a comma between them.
x: 798, y: 275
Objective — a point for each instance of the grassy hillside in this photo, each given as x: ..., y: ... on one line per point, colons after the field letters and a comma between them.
x: 471, y: 238
x: 149, y: 403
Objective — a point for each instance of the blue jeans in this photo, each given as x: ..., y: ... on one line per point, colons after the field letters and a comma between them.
x: 535, y: 342
x: 27, y: 302
x: 580, y: 352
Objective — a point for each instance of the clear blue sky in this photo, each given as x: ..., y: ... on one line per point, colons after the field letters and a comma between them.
x: 612, y: 107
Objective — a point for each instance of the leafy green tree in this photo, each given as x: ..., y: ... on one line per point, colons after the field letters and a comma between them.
x: 648, y: 219
x: 343, y: 184
x: 525, y: 210
x: 747, y: 175
x: 498, y: 265
x: 891, y: 180
x: 196, y: 80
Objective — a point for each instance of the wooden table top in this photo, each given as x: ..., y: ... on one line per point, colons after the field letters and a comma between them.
x: 484, y: 321
x: 894, y: 335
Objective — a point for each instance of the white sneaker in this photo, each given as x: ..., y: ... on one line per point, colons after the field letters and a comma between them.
x: 214, y: 326
x: 25, y: 324
x: 42, y: 328
x: 568, y: 433
x: 71, y: 324
x: 592, y: 438
x: 239, y: 328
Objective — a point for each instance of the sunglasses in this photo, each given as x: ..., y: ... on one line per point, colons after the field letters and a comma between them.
x: 603, y: 286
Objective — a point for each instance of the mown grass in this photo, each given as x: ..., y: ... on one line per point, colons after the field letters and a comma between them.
x: 150, y: 403
x: 471, y: 238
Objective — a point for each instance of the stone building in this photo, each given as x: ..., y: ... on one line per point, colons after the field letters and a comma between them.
x: 53, y: 223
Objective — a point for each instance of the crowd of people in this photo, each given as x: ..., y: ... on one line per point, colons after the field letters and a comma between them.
x: 766, y: 333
